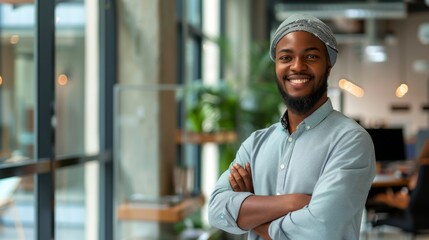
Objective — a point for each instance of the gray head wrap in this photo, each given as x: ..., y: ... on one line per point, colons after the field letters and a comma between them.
x: 310, y: 24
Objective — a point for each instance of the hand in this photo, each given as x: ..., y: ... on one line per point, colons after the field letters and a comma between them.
x: 240, y: 178
x: 262, y: 231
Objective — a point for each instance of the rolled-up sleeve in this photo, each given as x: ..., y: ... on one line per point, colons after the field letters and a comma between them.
x: 339, y: 196
x: 224, y: 204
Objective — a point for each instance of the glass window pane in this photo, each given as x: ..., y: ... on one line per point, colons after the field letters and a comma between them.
x: 194, y: 12
x: 17, y: 208
x: 145, y: 155
x: 193, y: 56
x: 17, y: 81
x: 75, y: 90
x: 76, y: 202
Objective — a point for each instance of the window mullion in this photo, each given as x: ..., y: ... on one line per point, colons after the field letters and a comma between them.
x: 44, y: 98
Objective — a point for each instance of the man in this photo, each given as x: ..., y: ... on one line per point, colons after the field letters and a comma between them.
x: 307, y: 176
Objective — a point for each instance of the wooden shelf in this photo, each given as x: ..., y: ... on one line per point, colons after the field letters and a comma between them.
x: 198, y: 138
x: 178, y: 212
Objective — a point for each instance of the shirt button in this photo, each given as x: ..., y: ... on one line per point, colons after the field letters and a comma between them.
x: 290, y: 139
x: 282, y: 166
x: 278, y: 193
x: 307, y: 127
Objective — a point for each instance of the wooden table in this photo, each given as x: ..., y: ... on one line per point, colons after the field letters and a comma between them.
x: 388, y: 180
x: 170, y: 214
x: 386, y: 176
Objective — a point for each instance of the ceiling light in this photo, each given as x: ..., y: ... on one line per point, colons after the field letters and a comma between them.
x: 372, y: 9
x: 423, y: 33
x: 14, y: 39
x: 421, y: 66
x: 62, y: 79
x: 375, y: 53
x: 351, y: 87
x: 401, y: 90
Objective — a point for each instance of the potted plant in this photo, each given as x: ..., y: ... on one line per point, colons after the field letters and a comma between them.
x: 211, y: 116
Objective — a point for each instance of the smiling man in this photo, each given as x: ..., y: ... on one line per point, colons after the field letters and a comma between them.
x: 307, y: 176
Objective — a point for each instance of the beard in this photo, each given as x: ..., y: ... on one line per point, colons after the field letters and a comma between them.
x: 302, y: 105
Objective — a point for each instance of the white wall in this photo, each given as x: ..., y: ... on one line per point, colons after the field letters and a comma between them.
x: 381, y: 79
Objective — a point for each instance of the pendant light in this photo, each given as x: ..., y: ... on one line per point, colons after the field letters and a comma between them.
x: 402, y: 89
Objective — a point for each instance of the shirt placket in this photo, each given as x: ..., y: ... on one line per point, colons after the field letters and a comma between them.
x: 285, y: 160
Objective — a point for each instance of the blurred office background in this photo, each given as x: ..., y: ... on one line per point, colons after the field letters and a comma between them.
x: 116, y: 117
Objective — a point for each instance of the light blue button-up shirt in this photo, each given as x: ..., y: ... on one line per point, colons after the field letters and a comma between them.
x: 329, y: 156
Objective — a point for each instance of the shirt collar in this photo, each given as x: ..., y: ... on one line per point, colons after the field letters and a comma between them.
x: 315, y: 118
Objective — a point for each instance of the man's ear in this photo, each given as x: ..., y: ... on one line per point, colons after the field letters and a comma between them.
x: 328, y: 61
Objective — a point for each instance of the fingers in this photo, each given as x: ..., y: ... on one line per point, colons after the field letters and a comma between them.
x: 249, y: 171
x: 241, y: 178
x: 248, y: 181
x: 233, y: 183
x: 237, y: 172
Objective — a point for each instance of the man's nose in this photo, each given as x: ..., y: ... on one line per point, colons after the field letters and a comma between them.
x: 298, y: 64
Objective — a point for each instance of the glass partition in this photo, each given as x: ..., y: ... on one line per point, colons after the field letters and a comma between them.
x: 17, y: 81
x: 149, y: 166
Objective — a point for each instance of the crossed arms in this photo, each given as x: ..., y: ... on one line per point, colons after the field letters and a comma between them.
x: 338, y: 185
x: 257, y: 212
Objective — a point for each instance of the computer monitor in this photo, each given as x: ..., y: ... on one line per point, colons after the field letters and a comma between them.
x: 389, y: 143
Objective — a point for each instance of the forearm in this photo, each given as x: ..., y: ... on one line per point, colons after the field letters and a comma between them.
x: 262, y: 231
x: 257, y: 210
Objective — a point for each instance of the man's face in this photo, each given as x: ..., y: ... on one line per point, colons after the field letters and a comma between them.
x: 302, y: 70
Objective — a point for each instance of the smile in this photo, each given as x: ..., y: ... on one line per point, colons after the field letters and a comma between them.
x: 299, y: 81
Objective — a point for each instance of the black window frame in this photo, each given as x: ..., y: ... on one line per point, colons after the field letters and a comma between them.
x: 45, y: 163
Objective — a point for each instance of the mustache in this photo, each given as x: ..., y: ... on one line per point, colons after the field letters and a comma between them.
x: 285, y: 76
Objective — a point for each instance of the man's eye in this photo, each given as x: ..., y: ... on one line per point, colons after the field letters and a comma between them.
x: 284, y: 58
x: 312, y: 57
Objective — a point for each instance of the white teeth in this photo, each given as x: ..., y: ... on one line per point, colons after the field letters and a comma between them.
x: 299, y: 80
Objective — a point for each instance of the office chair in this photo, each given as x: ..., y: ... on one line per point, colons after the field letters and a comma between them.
x: 415, y: 218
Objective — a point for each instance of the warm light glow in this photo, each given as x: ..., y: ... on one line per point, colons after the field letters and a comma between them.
x: 401, y: 90
x: 62, y: 79
x: 351, y: 87
x: 14, y: 39
x: 342, y: 83
x: 1, y: 80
